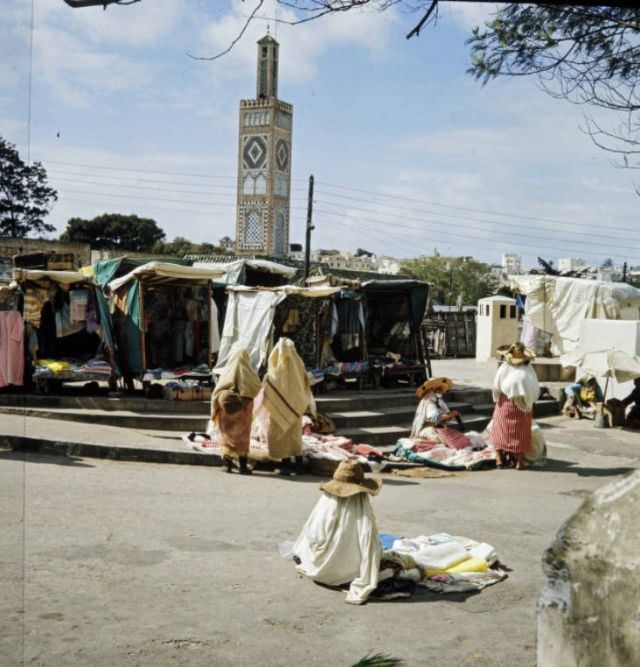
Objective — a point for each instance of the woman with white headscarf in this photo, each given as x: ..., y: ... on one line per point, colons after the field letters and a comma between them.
x: 232, y: 407
x: 515, y: 390
x: 287, y: 395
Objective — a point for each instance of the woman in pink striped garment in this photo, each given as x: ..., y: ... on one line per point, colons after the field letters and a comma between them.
x: 515, y: 390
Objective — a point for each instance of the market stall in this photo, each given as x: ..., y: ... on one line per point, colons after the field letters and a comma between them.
x: 164, y: 321
x: 67, y: 328
x: 394, y: 313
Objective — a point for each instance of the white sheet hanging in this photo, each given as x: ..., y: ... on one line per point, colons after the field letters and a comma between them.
x: 248, y: 321
x: 339, y: 544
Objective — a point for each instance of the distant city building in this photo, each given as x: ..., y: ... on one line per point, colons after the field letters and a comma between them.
x: 345, y: 261
x: 571, y: 264
x: 264, y: 163
x: 511, y: 264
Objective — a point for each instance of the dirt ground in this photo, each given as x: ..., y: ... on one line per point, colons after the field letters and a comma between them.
x: 112, y: 563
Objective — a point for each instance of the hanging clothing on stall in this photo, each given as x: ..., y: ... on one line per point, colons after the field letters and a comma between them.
x: 287, y: 394
x: 11, y: 348
x: 34, y: 300
x: 78, y: 302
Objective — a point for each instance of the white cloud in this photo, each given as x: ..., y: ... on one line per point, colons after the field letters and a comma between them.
x: 305, y: 43
x: 468, y: 15
x: 140, y: 24
x: 77, y: 74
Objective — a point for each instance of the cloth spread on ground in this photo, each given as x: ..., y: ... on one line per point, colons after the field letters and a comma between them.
x: 444, y: 563
x: 286, y: 396
x: 339, y: 545
x: 11, y: 348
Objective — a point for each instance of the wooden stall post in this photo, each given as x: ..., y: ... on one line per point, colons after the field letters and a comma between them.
x: 143, y: 355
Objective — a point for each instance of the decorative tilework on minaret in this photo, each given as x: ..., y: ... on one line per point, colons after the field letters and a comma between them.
x: 264, y: 162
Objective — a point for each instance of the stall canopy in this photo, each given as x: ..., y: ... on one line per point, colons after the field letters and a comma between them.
x: 164, y: 272
x: 557, y: 305
x: 236, y: 272
x: 107, y: 270
x: 250, y: 315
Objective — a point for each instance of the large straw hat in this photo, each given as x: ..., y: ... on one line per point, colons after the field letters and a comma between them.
x: 443, y: 385
x: 516, y: 354
x: 349, y: 479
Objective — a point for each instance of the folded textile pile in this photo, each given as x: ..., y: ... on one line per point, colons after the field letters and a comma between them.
x: 96, y: 365
x: 52, y: 367
x: 442, y: 563
x: 438, y: 455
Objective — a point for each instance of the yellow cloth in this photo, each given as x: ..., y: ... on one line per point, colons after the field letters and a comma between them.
x: 588, y: 395
x: 472, y: 564
x: 53, y: 365
x: 237, y: 376
x: 287, y: 393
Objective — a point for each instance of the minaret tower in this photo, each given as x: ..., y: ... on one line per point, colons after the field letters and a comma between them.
x: 264, y: 163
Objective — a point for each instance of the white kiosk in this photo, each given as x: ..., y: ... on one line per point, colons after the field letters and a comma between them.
x: 496, y: 325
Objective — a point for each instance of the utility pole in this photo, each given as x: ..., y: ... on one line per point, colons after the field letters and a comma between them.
x: 624, y: 272
x: 310, y: 227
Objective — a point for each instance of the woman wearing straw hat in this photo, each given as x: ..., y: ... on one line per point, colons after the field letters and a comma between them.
x: 515, y: 390
x: 232, y: 407
x: 339, y: 542
x: 433, y: 414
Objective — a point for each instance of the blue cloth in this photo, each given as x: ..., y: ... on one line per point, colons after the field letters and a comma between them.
x: 387, y: 540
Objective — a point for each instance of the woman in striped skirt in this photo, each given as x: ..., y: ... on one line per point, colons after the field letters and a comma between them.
x: 515, y: 390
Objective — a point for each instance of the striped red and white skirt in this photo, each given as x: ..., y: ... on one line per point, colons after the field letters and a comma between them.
x: 511, y: 428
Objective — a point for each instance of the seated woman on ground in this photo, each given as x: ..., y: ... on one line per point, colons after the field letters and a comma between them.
x: 581, y: 398
x: 433, y: 415
x: 632, y: 419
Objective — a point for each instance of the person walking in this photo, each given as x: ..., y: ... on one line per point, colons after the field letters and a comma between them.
x: 232, y: 408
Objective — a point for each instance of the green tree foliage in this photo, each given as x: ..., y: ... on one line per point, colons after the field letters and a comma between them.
x: 452, y: 277
x: 182, y: 247
x: 587, y: 54
x: 115, y: 231
x: 25, y: 197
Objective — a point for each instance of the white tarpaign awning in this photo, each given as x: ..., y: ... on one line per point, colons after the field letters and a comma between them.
x: 164, y: 271
x: 61, y: 277
x: 557, y: 305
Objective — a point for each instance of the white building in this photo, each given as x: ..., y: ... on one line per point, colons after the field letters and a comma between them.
x: 496, y: 325
x: 511, y: 264
x: 388, y: 265
x: 571, y: 263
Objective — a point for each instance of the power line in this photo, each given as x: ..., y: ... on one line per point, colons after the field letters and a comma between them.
x: 472, y: 227
x: 459, y: 217
x: 464, y: 208
x: 448, y: 236
x: 174, y: 201
x: 84, y: 175
x: 148, y: 171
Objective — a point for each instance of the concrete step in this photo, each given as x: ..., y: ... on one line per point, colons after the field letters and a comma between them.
x: 384, y: 416
x: 109, y: 403
x: 340, y: 401
x: 147, y: 421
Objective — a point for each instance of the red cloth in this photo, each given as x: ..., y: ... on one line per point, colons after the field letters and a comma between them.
x: 235, y: 429
x: 452, y: 438
x: 511, y: 429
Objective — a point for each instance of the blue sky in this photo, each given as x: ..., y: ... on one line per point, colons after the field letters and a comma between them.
x: 408, y: 151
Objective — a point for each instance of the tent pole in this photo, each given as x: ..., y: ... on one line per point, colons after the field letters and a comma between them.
x: 606, y: 386
x: 143, y: 351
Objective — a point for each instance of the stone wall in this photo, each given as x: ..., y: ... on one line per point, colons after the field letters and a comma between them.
x: 10, y: 247
x: 589, y: 610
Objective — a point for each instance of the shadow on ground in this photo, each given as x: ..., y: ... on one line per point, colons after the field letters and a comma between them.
x: 558, y: 465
